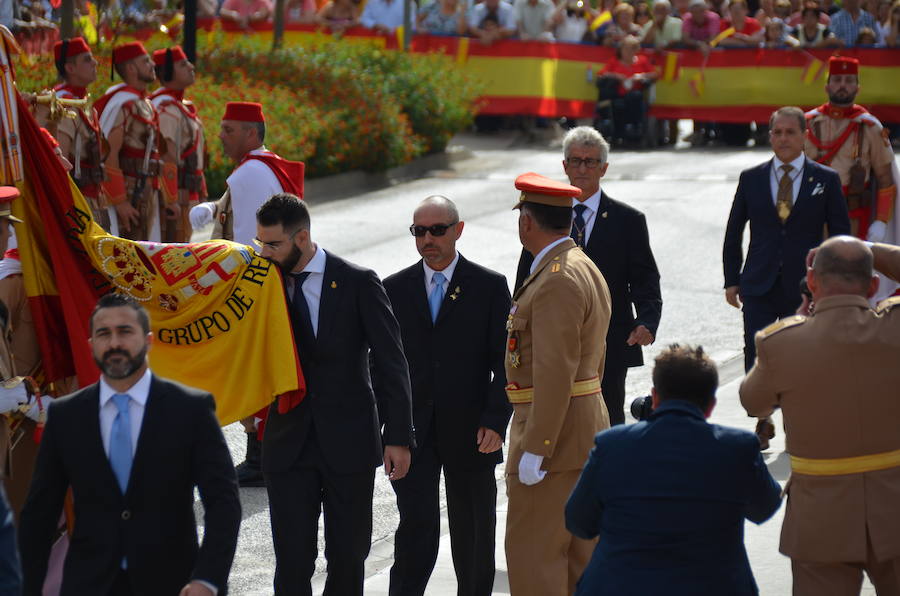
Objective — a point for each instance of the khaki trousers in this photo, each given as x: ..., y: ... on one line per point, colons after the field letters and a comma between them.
x: 542, y: 557
x: 845, y: 579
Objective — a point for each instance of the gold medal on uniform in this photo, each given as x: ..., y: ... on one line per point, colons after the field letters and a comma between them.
x: 512, y: 345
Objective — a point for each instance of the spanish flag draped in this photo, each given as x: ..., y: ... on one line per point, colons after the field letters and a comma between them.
x: 218, y: 310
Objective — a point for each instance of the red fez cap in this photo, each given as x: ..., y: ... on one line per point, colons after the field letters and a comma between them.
x: 244, y: 111
x: 540, y: 189
x: 7, y: 195
x: 128, y: 51
x: 159, y: 56
x: 49, y: 138
x: 843, y: 65
x: 75, y: 46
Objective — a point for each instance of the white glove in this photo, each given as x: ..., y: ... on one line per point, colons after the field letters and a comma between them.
x: 12, y: 398
x: 202, y: 214
x: 876, y: 231
x: 530, y: 471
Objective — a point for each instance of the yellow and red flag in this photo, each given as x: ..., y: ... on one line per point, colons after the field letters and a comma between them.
x: 671, y: 67
x: 218, y: 310
x: 602, y: 19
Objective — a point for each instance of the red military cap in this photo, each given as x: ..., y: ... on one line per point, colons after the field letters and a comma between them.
x: 244, y: 111
x: 7, y: 195
x: 74, y: 46
x: 838, y: 65
x: 159, y: 56
x: 544, y: 191
x: 128, y: 51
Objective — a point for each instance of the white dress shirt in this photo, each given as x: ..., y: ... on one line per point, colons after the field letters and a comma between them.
x: 543, y: 253
x: 108, y: 410
x: 796, y: 175
x: 590, y: 214
x: 447, y: 271
x: 251, y: 184
x: 312, y: 287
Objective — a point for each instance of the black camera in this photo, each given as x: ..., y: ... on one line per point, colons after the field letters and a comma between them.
x: 642, y: 407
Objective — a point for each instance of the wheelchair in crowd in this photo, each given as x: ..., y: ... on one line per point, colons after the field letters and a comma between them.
x: 625, y: 120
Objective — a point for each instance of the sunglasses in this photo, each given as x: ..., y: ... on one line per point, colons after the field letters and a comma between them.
x: 435, y: 230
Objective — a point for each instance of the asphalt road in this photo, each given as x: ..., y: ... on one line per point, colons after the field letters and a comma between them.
x: 685, y: 193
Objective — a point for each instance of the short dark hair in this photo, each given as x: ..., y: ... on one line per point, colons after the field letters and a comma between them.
x: 285, y: 209
x: 260, y: 129
x: 686, y: 373
x: 114, y: 300
x: 789, y: 112
x: 550, y: 218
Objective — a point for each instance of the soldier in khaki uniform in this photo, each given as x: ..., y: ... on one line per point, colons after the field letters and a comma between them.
x: 846, y: 137
x: 838, y: 368
x: 183, y: 132
x: 75, y: 127
x: 555, y: 355
x: 130, y: 125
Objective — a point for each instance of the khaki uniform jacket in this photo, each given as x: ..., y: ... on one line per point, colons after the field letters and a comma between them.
x: 876, y: 150
x: 836, y: 377
x: 559, y: 320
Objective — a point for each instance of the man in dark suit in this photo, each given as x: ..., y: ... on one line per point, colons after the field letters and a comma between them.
x: 788, y: 200
x: 615, y: 237
x: 323, y: 452
x: 132, y: 447
x: 452, y: 316
x: 668, y: 496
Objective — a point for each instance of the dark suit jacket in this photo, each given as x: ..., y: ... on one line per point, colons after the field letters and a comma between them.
x: 180, y: 446
x: 620, y: 247
x: 455, y: 363
x: 775, y: 247
x: 355, y: 318
x: 668, y: 498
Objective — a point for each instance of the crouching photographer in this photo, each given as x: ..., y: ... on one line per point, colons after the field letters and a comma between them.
x: 668, y: 496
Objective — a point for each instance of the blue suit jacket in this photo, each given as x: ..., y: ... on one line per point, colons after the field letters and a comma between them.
x: 775, y: 247
x: 668, y: 498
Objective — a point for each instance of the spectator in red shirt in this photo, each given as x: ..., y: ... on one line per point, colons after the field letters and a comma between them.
x: 631, y: 72
x: 747, y: 30
x: 246, y: 12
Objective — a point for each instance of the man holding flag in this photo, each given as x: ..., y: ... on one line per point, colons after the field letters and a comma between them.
x: 259, y: 175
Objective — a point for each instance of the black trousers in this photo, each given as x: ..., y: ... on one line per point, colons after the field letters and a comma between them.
x: 121, y: 585
x: 760, y: 312
x: 296, y: 498
x: 472, y: 513
x: 613, y: 388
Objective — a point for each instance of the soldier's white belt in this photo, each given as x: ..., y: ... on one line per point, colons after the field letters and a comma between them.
x: 525, y: 395
x: 846, y: 465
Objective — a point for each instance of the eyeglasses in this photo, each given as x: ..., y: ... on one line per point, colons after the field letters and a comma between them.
x: 274, y: 245
x: 435, y: 230
x: 576, y: 162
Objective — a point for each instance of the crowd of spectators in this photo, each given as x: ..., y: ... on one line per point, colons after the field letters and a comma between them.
x: 697, y: 24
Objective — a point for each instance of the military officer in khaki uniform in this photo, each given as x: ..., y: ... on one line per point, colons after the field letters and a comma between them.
x: 182, y: 130
x: 555, y: 356
x: 845, y: 136
x: 838, y: 369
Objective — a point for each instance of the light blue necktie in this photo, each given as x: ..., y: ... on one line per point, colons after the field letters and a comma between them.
x: 120, y: 446
x: 437, y: 295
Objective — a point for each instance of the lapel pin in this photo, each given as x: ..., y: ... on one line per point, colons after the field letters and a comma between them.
x: 809, y: 179
x: 333, y: 285
x: 455, y: 294
x: 604, y: 214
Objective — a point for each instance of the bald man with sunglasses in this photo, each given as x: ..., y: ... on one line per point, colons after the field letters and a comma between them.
x: 452, y: 315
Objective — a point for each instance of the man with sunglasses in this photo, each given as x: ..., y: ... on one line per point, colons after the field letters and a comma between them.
x: 322, y: 453
x: 614, y: 235
x: 452, y: 316
x: 259, y: 175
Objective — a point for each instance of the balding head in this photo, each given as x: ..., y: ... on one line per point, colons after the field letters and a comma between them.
x: 439, y: 202
x: 437, y: 219
x: 842, y: 265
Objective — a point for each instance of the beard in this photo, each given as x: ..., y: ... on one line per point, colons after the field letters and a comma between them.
x: 147, y: 77
x: 124, y: 368
x: 290, y: 261
x: 842, y: 98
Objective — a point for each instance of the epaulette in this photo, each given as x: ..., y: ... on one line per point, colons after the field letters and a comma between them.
x: 887, y: 304
x: 782, y: 325
x: 555, y: 265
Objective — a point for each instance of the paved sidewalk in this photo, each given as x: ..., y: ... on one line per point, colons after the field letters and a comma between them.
x: 771, y: 569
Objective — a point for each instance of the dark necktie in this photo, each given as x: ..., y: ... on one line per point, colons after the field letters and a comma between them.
x: 307, y: 336
x: 579, y: 232
x: 785, y: 199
